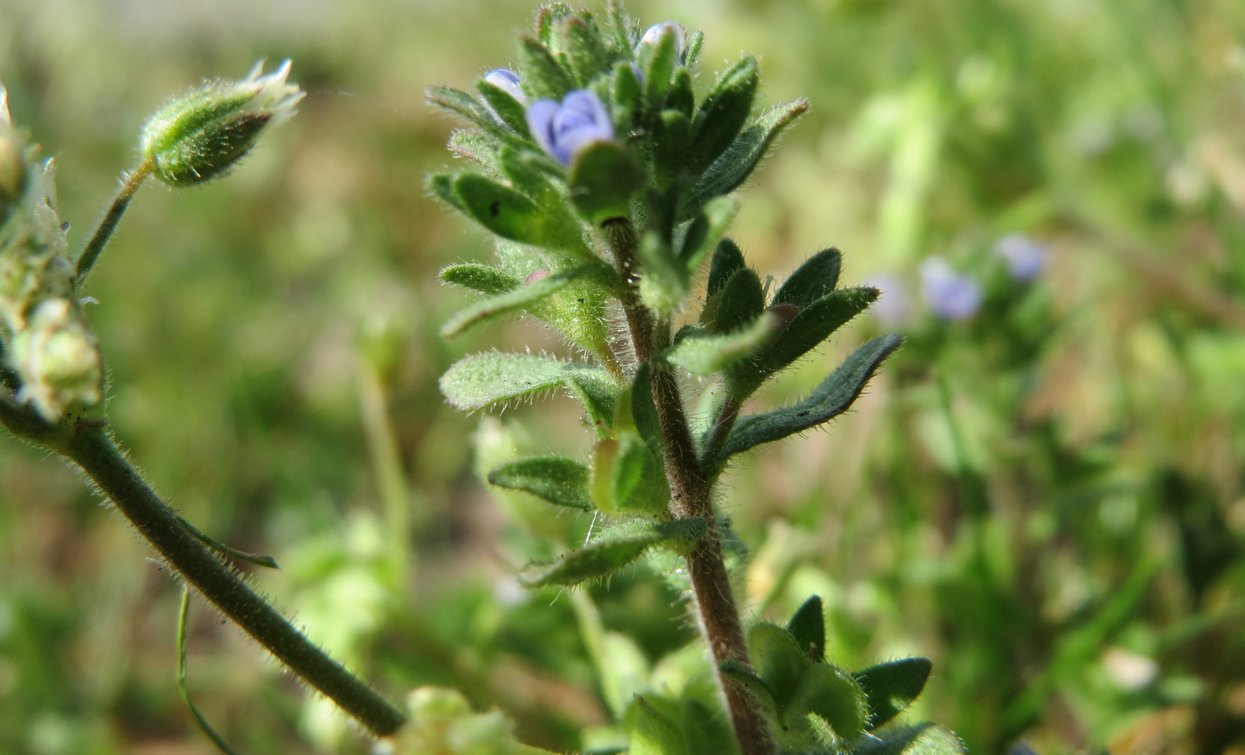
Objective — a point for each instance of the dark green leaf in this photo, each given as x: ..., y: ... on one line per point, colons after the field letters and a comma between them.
x: 727, y: 260
x: 602, y: 179
x: 556, y: 479
x: 835, y: 394
x: 509, y: 110
x: 484, y: 380
x: 809, y: 327
x: 923, y: 739
x: 891, y: 687
x: 739, y: 302
x: 816, y: 278
x: 680, y: 96
x: 723, y: 113
x: 705, y: 232
x: 643, y: 410
x: 808, y: 626
x: 672, y: 131
x: 483, y: 278
x: 739, y: 160
x: 514, y: 216
x: 540, y: 74
x: 624, y: 96
x: 612, y: 551
x: 653, y: 733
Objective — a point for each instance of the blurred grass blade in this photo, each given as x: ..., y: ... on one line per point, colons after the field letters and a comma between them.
x: 182, y: 616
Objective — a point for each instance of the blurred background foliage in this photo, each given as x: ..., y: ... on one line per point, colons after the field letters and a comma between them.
x: 1045, y: 498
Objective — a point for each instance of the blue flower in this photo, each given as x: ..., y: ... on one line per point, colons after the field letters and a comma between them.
x: 507, y: 81
x: 564, y: 129
x: 949, y: 295
x: 1025, y: 258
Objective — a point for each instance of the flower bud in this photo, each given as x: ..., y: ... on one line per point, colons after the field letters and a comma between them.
x: 652, y: 36
x: 1025, y: 258
x: 200, y: 135
x: 507, y: 81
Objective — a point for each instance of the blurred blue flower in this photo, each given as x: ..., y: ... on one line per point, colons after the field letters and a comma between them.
x: 564, y: 129
x: 894, y: 305
x: 949, y: 295
x: 1025, y: 258
x: 507, y: 81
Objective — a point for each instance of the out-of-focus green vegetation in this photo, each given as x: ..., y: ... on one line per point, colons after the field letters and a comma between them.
x: 1047, y: 499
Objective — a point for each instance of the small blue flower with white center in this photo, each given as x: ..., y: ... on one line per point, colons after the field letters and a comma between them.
x: 507, y: 81
x: 1025, y: 258
x: 949, y: 295
x: 563, y: 129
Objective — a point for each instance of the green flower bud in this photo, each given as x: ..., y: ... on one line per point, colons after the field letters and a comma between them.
x: 58, y: 360
x: 200, y: 135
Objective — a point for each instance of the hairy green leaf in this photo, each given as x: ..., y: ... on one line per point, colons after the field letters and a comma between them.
x: 509, y: 110
x: 658, y: 63
x: 753, y: 685
x: 602, y: 179
x: 778, y: 659
x: 739, y: 302
x: 578, y: 44
x: 723, y: 113
x: 705, y: 232
x: 540, y: 74
x: 811, y: 326
x: 827, y: 709
x: 478, y: 277
x: 922, y: 739
x: 639, y: 480
x: 815, y: 279
x: 512, y: 215
x: 891, y: 687
x: 612, y: 551
x: 707, y: 354
x: 520, y: 298
x: 653, y: 733
x: 727, y: 260
x: 556, y: 479
x: 808, y: 627
x: 484, y: 380
x: 460, y: 103
x: 835, y: 394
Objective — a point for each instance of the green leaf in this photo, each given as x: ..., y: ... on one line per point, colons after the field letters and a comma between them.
x: 672, y: 132
x: 811, y: 326
x: 624, y: 97
x: 522, y: 297
x: 815, y: 279
x: 483, y: 278
x: 512, y: 215
x: 741, y: 157
x: 643, y: 410
x: 460, y: 103
x: 663, y: 284
x: 835, y: 394
x: 556, y: 479
x: 615, y: 549
x: 827, y: 709
x: 706, y: 354
x: 723, y: 113
x: 602, y: 179
x: 727, y: 260
x: 694, y: 47
x: 680, y: 96
x: 578, y: 44
x: 705, y: 232
x: 485, y: 380
x: 653, y: 733
x: 506, y: 107
x: 778, y: 659
x: 547, y: 17
x: 753, y: 685
x: 739, y: 302
x: 923, y: 739
x: 891, y: 687
x: 540, y: 74
x: 808, y: 627
x: 619, y: 33
x: 481, y: 148
x: 639, y: 480
x: 532, y: 174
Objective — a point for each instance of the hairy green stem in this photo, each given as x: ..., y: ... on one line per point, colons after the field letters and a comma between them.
x: 690, y: 498
x: 91, y: 446
x: 103, y: 232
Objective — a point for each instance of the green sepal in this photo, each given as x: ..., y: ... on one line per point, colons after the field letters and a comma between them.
x: 705, y: 232
x: 827, y: 709
x: 643, y: 410
x: 463, y: 104
x: 639, y: 480
x: 577, y: 43
x: 706, y: 354
x: 739, y: 302
x: 658, y: 61
x: 813, y: 280
x: 619, y: 34
x: 556, y: 479
x: 922, y: 739
x: 808, y: 627
x: 778, y: 660
x: 602, y: 179
x: 617, y: 547
x: 505, y: 106
x: 891, y: 687
x: 479, y: 277
x: 479, y: 381
x: 540, y: 74
x: 835, y: 394
x: 810, y: 326
x: 730, y: 170
x: 723, y: 113
x: 651, y: 732
x: 680, y: 95
x: 672, y: 132
x: 624, y: 97
x: 547, y: 17
x: 523, y: 297
x: 695, y: 44
x: 754, y: 685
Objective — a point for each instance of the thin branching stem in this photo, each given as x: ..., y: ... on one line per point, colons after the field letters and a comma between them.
x: 690, y: 488
x: 103, y: 232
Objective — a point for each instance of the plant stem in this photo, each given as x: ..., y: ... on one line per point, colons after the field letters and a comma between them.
x: 91, y: 446
x: 690, y: 498
x: 103, y: 232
